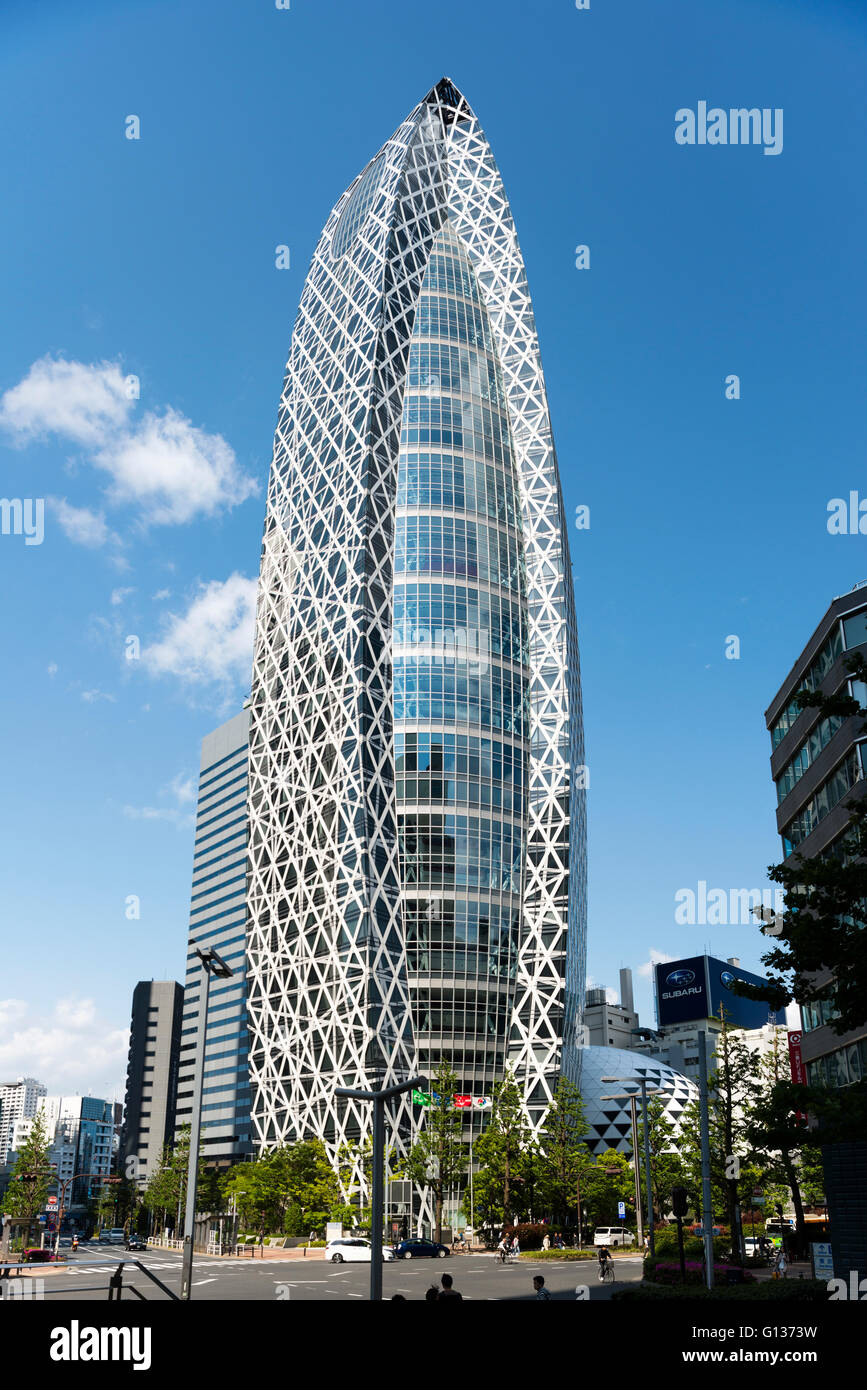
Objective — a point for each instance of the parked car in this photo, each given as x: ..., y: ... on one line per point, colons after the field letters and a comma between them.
x: 34, y: 1256
x: 135, y: 1242
x: 613, y: 1235
x: 421, y: 1249
x: 352, y: 1250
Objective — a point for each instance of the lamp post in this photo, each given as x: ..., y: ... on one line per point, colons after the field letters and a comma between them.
x: 378, y: 1099
x: 212, y: 964
x: 631, y: 1082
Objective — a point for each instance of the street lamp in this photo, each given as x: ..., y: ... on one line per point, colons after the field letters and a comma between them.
x: 378, y: 1099
x: 630, y: 1082
x: 212, y: 964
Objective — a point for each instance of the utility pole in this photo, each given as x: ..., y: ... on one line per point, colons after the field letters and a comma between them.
x: 636, y: 1165
x: 706, y: 1209
x: 212, y: 964
x: 378, y: 1099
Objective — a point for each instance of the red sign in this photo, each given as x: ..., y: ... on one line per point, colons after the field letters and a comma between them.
x: 796, y: 1065
x: 51, y: 1201
x: 463, y: 1102
x: 799, y: 1074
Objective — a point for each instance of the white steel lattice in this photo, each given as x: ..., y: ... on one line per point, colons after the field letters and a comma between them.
x: 329, y: 1000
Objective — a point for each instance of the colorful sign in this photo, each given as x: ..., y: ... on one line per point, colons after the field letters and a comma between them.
x: 428, y: 1098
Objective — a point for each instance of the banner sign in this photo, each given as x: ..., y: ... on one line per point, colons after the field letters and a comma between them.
x: 427, y: 1098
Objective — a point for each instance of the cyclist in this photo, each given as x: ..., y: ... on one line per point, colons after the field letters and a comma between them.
x: 503, y: 1250
x: 605, y: 1261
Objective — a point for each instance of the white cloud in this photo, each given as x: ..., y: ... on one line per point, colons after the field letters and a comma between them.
x: 161, y: 594
x: 80, y: 524
x: 92, y: 696
x: 173, y: 470
x: 656, y: 958
x: 118, y: 595
x: 183, y: 788
x: 163, y: 464
x: 213, y: 641
x: 75, y: 1013
x: 52, y: 669
x: 69, y: 1049
x: 11, y: 1010
x: 66, y: 398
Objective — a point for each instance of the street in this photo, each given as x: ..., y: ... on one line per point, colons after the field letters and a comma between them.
x: 479, y: 1277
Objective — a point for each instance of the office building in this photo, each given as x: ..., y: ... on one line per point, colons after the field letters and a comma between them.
x: 417, y: 885
x: 151, y: 1077
x: 218, y: 919
x: 818, y: 764
x: 818, y: 768
x: 19, y: 1100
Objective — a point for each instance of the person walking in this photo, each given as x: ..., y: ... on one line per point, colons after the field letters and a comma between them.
x: 539, y: 1286
x: 515, y: 1248
x: 448, y: 1289
x: 546, y: 1243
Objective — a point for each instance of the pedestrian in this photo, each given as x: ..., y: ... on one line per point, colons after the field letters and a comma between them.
x: 539, y: 1286
x: 515, y: 1248
x: 448, y: 1290
x: 432, y: 1294
x: 647, y: 1242
x: 780, y: 1264
x: 546, y: 1243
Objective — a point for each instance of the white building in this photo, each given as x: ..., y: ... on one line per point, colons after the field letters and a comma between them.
x: 18, y: 1100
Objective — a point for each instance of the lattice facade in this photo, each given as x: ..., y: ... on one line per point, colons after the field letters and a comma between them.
x: 418, y: 264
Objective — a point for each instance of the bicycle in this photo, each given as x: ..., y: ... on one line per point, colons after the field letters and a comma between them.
x: 606, y: 1272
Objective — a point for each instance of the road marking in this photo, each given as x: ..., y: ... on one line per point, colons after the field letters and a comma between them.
x: 196, y: 1282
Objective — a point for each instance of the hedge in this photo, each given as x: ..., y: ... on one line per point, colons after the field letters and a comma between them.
x: 770, y: 1291
x: 558, y: 1255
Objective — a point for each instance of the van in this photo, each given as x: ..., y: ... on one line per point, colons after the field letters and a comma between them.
x: 117, y: 1235
x: 612, y: 1235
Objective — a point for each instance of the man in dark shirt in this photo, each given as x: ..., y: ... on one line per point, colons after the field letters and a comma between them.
x: 448, y: 1290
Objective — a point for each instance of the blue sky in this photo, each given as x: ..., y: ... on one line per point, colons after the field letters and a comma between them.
x: 155, y: 259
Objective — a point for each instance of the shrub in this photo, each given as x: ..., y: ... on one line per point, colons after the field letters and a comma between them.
x: 693, y: 1247
x: 769, y: 1291
x: 558, y: 1255
x: 668, y: 1272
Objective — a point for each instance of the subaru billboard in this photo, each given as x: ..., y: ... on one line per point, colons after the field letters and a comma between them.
x: 699, y: 987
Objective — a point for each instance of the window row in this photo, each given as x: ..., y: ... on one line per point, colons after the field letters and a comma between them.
x: 467, y: 754
x: 452, y: 545
x: 817, y: 1014
x: 437, y: 367
x: 460, y: 851
x: 441, y: 316
x: 462, y: 482
x: 818, y: 738
x: 844, y: 1067
x: 496, y: 699
x: 433, y: 608
x: 811, y: 680
x: 842, y: 779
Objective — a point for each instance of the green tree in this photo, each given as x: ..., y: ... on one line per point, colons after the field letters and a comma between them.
x: 607, y: 1181
x: 666, y: 1165
x: 31, y: 1176
x: 563, y: 1155
x: 500, y: 1152
x: 778, y: 1132
x: 438, y: 1158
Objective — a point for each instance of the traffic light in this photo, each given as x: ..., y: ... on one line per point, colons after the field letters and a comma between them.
x: 679, y: 1201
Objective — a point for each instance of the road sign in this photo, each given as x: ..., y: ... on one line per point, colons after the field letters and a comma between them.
x: 621, y: 1210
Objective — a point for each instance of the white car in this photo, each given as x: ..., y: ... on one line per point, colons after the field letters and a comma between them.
x: 352, y: 1250
x: 612, y: 1235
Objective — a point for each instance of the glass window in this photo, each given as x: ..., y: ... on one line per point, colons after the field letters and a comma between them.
x: 855, y: 629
